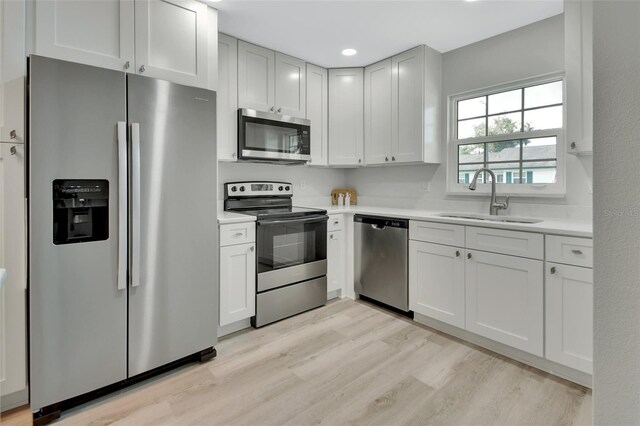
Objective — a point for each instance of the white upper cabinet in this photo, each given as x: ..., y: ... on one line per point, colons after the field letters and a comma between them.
x: 12, y: 71
x: 256, y: 77
x: 578, y: 39
x: 416, y: 77
x: 437, y: 282
x: 504, y: 299
x: 346, y: 117
x: 318, y: 112
x: 159, y: 38
x: 172, y: 40
x: 377, y: 113
x: 227, y: 98
x: 99, y: 33
x: 569, y: 316
x: 290, y: 86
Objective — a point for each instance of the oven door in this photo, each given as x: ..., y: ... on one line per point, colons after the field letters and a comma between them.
x: 291, y: 251
x: 272, y: 137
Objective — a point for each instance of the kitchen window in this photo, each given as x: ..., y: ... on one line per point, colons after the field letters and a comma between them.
x: 516, y: 131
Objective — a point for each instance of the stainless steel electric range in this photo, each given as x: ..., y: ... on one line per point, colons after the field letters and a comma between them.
x: 291, y: 260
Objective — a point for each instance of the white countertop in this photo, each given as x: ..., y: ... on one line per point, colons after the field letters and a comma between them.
x: 569, y: 227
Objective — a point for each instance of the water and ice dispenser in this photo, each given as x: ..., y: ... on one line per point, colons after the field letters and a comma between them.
x: 80, y: 211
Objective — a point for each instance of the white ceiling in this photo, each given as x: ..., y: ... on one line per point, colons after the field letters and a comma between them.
x: 317, y: 31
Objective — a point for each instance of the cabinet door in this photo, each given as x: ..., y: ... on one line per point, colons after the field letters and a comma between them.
x: 377, y: 113
x: 569, y: 316
x: 436, y: 282
x: 12, y: 71
x: 407, y: 109
x: 256, y: 77
x: 171, y: 40
x: 336, y: 265
x: 99, y: 33
x: 346, y: 117
x: 291, y: 90
x: 237, y: 283
x: 13, y: 320
x: 578, y: 24
x: 505, y: 299
x: 318, y: 113
x: 227, y: 98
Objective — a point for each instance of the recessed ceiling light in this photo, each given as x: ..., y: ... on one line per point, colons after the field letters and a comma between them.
x: 349, y: 52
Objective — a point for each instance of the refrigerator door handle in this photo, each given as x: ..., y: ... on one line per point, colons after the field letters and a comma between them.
x: 135, y: 204
x: 122, y: 205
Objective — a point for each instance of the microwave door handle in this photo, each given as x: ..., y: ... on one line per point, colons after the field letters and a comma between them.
x: 292, y: 221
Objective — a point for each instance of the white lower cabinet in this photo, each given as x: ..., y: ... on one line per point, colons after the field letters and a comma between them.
x: 569, y: 316
x: 237, y: 280
x: 504, y: 299
x: 336, y: 263
x: 436, y: 282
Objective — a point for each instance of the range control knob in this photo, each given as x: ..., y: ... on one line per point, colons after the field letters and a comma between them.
x: 242, y: 189
x: 280, y: 188
x: 234, y: 189
x: 286, y: 188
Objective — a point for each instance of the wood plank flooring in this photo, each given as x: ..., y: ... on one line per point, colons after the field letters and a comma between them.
x: 348, y: 363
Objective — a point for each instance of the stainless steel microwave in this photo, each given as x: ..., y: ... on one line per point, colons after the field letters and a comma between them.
x: 273, y: 138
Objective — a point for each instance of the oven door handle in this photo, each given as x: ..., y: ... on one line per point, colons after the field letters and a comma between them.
x: 323, y: 218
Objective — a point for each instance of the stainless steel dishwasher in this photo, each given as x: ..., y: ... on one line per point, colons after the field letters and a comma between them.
x: 381, y: 260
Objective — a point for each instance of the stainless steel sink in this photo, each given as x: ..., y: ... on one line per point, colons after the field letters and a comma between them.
x: 489, y: 218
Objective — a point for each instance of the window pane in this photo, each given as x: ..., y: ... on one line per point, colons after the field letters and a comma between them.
x: 471, y: 128
x: 544, y: 118
x: 503, y: 151
x: 539, y: 171
x: 466, y: 172
x: 471, y: 153
x: 472, y: 108
x: 543, y: 94
x: 504, y: 124
x: 505, y: 101
x: 539, y: 148
x: 505, y: 172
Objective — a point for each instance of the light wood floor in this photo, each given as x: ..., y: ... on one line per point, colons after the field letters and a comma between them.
x: 346, y: 363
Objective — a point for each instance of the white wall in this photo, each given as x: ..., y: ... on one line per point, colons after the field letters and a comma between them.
x: 319, y: 182
x: 616, y: 213
x: 522, y: 53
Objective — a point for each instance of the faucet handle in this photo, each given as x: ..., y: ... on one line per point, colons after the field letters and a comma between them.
x: 506, y: 201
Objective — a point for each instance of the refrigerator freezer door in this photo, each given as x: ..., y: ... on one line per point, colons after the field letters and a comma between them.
x: 173, y: 310
x: 78, y: 316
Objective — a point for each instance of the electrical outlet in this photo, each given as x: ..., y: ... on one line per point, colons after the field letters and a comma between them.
x: 303, y: 184
x: 424, y: 186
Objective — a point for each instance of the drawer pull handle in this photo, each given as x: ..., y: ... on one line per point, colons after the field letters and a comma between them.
x: 553, y: 269
x: 576, y: 252
x: 457, y: 253
x: 238, y: 234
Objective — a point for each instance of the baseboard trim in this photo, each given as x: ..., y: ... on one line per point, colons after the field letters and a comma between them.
x: 543, y: 364
x: 14, y: 400
x: 334, y: 294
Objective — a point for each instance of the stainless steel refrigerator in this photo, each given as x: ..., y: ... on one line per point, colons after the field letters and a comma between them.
x: 123, y: 274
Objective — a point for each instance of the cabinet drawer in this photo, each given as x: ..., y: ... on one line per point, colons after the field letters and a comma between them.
x: 439, y: 233
x: 515, y: 243
x: 570, y: 250
x: 237, y: 233
x: 335, y: 223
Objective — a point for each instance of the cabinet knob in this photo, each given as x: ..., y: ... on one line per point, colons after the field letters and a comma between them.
x: 553, y: 269
x: 359, y: 160
x: 309, y: 161
x: 469, y: 256
x: 457, y: 253
x: 386, y: 158
x: 13, y: 134
x: 331, y: 236
x: 576, y: 252
x: 142, y: 69
x: 233, y: 155
x: 252, y: 248
x: 13, y: 150
x: 127, y: 65
x: 279, y: 110
x: 393, y: 158
x: 336, y: 222
x: 272, y: 109
x: 573, y: 145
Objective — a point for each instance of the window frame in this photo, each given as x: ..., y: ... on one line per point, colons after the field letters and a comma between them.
x: 555, y: 190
